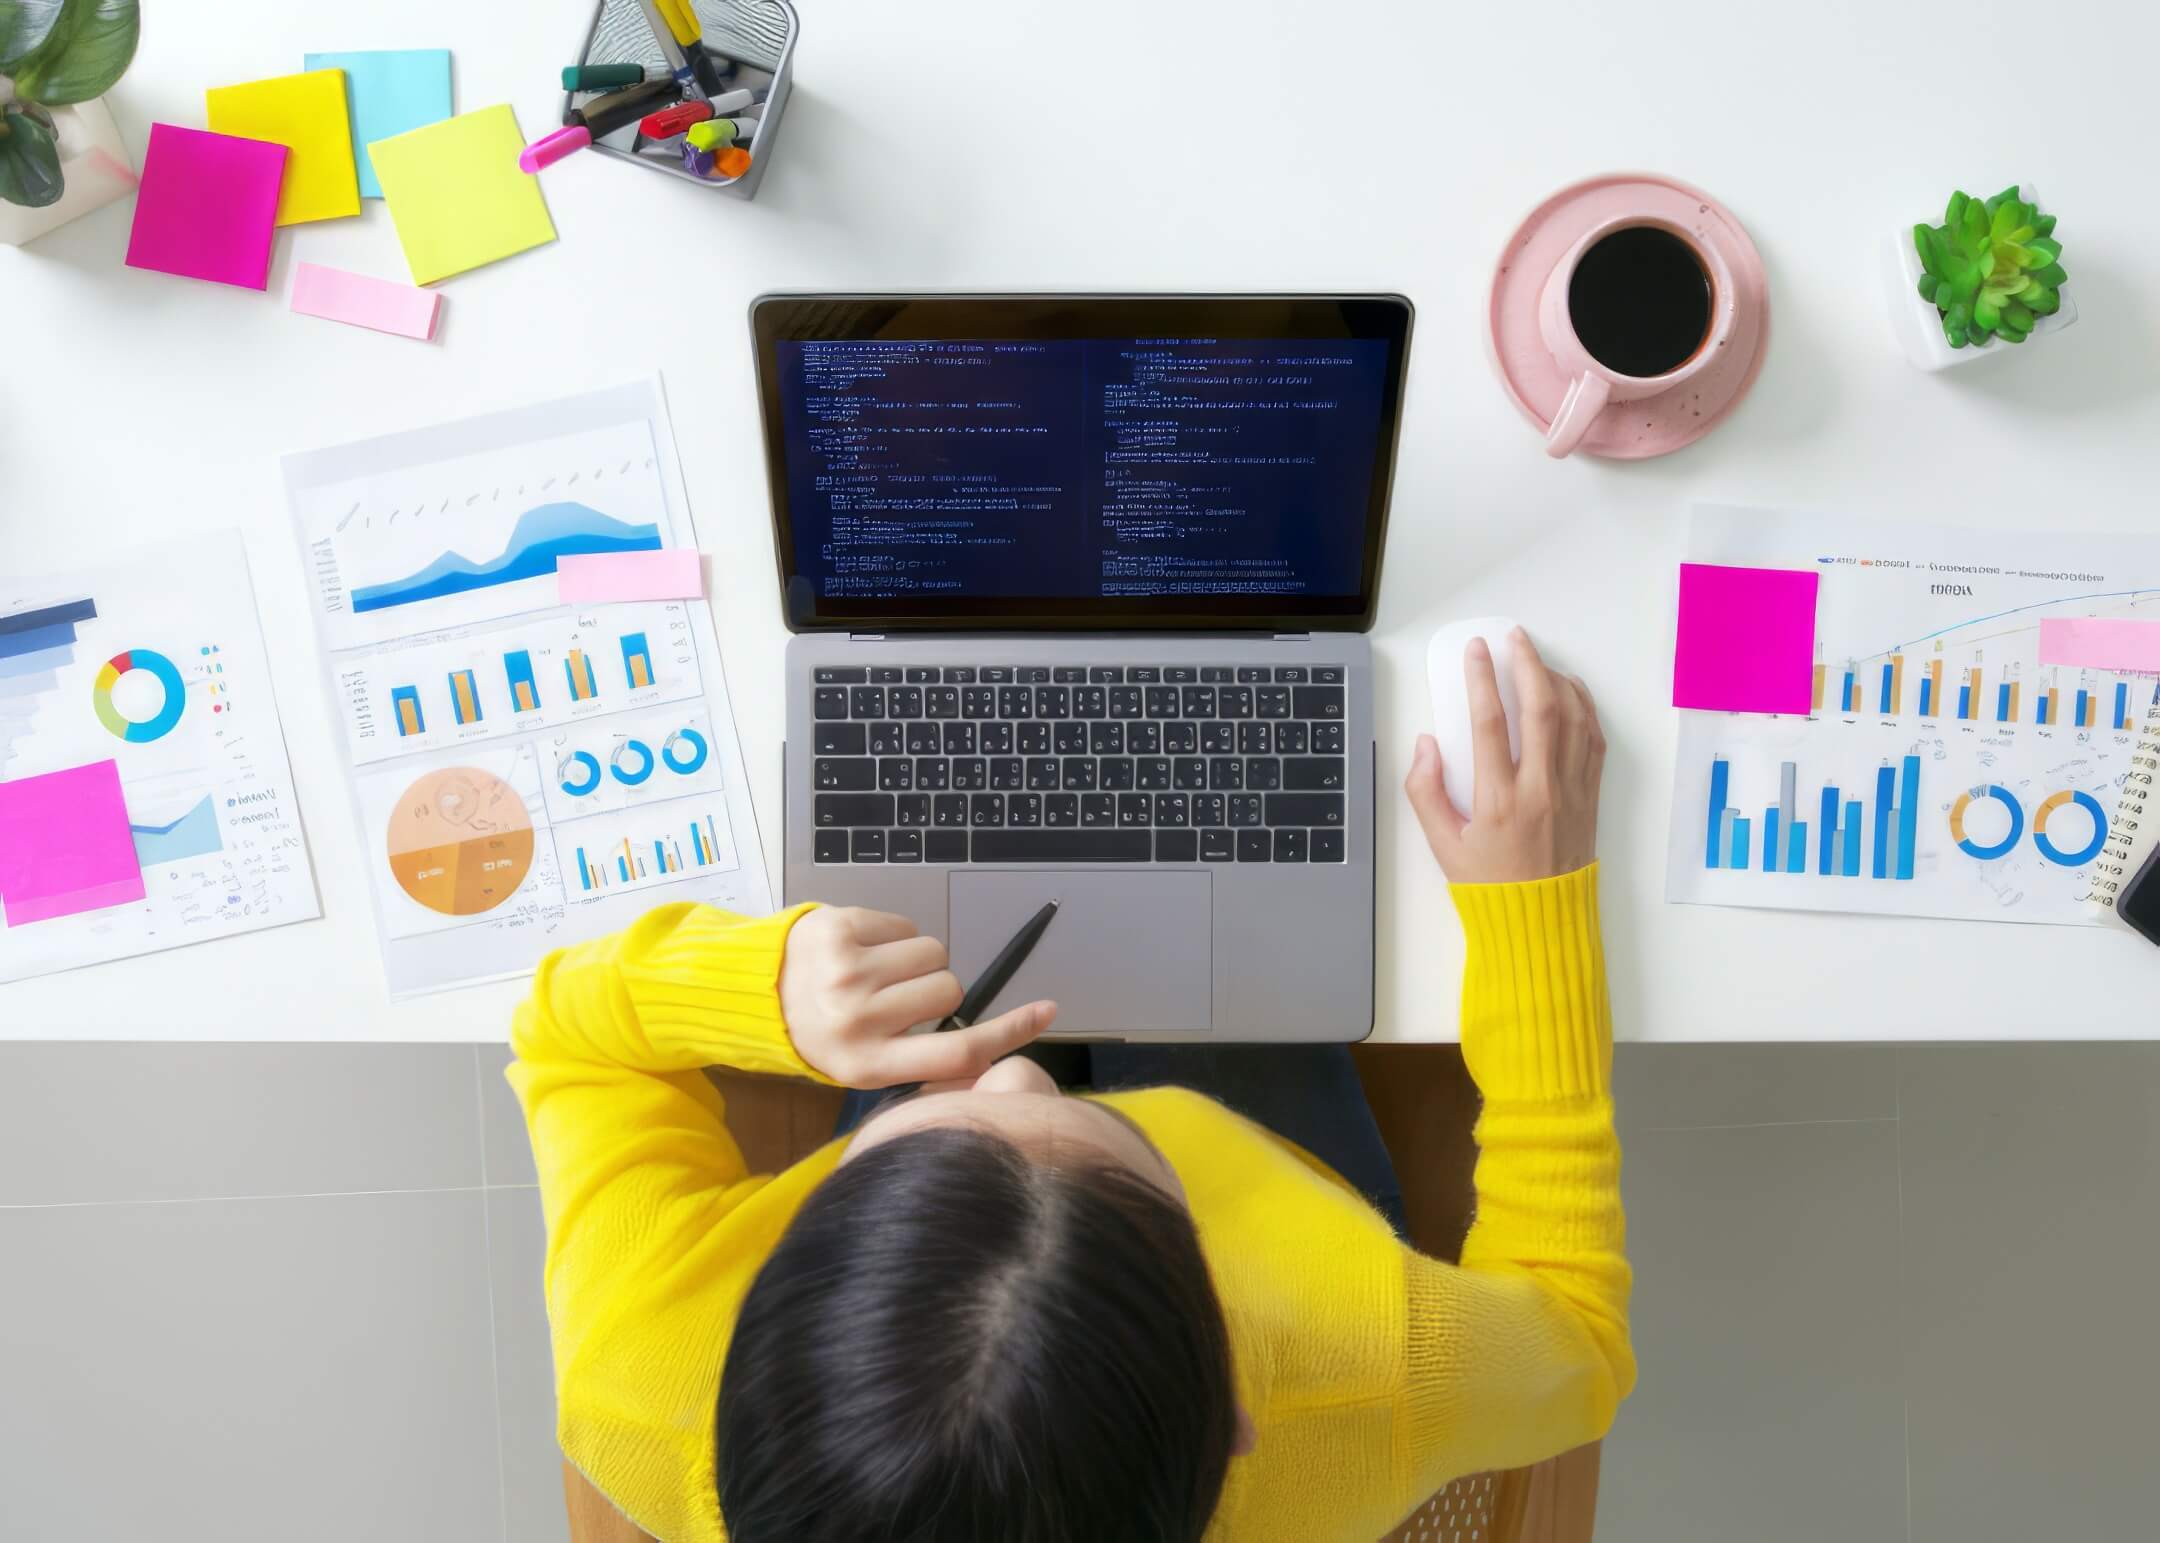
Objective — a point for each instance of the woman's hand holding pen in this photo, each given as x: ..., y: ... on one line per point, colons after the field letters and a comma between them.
x: 854, y: 981
x: 1535, y: 818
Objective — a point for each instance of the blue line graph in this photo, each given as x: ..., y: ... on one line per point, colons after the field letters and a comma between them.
x: 540, y: 536
x: 194, y: 834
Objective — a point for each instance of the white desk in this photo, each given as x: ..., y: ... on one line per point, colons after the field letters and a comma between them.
x: 1138, y: 144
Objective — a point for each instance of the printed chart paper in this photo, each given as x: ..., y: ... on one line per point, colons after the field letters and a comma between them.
x: 525, y: 773
x: 145, y: 801
x: 1942, y: 769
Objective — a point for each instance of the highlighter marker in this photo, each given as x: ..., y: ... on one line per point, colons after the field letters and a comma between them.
x: 609, y: 77
x: 605, y: 114
x: 719, y: 133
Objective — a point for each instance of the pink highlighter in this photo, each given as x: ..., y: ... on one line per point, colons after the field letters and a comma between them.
x: 546, y: 151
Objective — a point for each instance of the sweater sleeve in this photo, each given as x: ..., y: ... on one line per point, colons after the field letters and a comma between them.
x: 1522, y: 1352
x: 629, y: 1136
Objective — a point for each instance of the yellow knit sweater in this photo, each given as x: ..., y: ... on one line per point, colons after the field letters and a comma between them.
x: 1374, y: 1374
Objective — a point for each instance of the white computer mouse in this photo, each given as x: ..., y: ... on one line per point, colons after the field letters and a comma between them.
x: 1451, y: 699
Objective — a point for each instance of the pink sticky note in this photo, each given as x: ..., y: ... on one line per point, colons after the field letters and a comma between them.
x: 354, y: 298
x: 1747, y: 639
x: 2117, y: 643
x: 673, y: 574
x: 207, y: 206
x: 65, y: 845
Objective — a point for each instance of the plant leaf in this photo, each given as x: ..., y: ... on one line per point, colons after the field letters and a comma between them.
x: 2017, y: 318
x: 2012, y: 337
x: 86, y: 53
x: 1928, y: 285
x: 24, y: 26
x: 1975, y: 226
x: 2043, y: 224
x: 29, y: 161
x: 2051, y: 247
x: 2052, y: 276
x: 1954, y: 212
x: 2041, y: 301
x: 1986, y: 313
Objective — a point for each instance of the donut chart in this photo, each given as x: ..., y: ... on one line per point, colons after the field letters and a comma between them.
x: 460, y: 841
x: 1973, y: 848
x: 640, y: 754
x: 693, y: 755
x: 579, y: 773
x: 2083, y: 855
x: 158, y: 724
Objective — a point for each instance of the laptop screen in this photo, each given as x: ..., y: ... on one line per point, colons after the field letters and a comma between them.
x: 1032, y: 471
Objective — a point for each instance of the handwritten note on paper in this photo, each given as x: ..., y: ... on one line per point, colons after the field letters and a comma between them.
x: 671, y: 574
x: 1746, y: 641
x: 2100, y: 643
x: 65, y: 845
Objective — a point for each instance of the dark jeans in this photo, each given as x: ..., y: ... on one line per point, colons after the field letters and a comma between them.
x: 1306, y: 1094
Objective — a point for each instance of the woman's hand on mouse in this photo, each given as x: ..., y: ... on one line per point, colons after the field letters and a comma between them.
x: 1535, y: 818
x: 854, y: 981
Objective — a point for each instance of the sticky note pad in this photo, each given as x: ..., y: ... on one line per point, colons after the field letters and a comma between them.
x: 306, y: 114
x: 360, y: 301
x: 2101, y: 643
x: 1747, y: 639
x: 65, y: 845
x: 389, y: 91
x: 207, y: 206
x: 673, y: 574
x: 457, y: 196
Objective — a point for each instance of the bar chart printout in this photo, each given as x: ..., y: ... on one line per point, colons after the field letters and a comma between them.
x: 1842, y: 826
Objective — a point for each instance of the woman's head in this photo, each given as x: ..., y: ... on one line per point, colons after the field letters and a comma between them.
x: 993, y: 1321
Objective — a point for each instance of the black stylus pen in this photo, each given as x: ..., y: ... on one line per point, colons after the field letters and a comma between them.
x: 1002, y: 968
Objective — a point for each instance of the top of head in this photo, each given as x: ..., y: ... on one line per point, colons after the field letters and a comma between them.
x: 1451, y: 698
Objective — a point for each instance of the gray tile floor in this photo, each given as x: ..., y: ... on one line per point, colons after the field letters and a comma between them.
x: 264, y: 1292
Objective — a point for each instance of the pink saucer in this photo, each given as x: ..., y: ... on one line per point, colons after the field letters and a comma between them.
x: 1658, y: 425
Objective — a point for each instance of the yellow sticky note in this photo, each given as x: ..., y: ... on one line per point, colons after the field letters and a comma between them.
x: 457, y: 196
x: 306, y: 114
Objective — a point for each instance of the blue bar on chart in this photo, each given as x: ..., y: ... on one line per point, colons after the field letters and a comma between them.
x: 636, y: 660
x: 1850, y: 866
x: 2122, y: 704
x: 524, y: 690
x: 1714, y: 847
x: 405, y: 705
x: 1927, y: 696
x: 1827, y: 826
x: 1908, y: 815
x: 464, y: 697
x: 1737, y: 850
x: 2084, y: 708
x: 1885, y: 797
x: 1770, y: 847
x: 577, y: 670
x: 1852, y: 693
x: 1836, y: 845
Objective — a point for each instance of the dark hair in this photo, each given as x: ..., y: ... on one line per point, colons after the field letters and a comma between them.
x: 952, y: 1342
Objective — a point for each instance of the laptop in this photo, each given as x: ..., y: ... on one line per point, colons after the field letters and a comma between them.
x: 1079, y: 588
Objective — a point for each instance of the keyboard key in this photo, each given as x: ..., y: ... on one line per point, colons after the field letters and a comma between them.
x: 1008, y: 774
x: 1014, y: 701
x: 1143, y: 736
x: 1062, y: 846
x: 866, y: 846
x: 1061, y: 809
x: 1134, y: 810
x: 1254, y: 846
x: 1180, y: 738
x: 978, y: 701
x: 839, y: 675
x: 1042, y: 772
x: 1142, y: 674
x: 829, y: 702
x: 959, y: 675
x: 1089, y: 702
x: 912, y: 811
x: 895, y: 775
x: 1272, y: 701
x: 996, y: 739
x: 959, y: 739
x: 946, y: 846
x: 1235, y: 701
x: 1077, y: 772
x: 1327, y: 739
x: 1034, y: 739
x: 923, y: 737
x: 1068, y: 674
x: 887, y: 739
x: 1296, y: 673
x: 903, y: 846
x: 1225, y: 775
x: 1291, y: 738
x: 1252, y: 738
x: 830, y: 809
x: 1218, y: 738
x: 1248, y: 674
x: 996, y: 674
x: 1263, y: 774
x: 1246, y: 809
x: 1115, y: 772
x: 949, y: 811
x: 1304, y: 808
x: 1026, y: 809
x: 844, y: 776
x: 1053, y: 702
x: 941, y: 701
x: 1327, y: 674
x: 1317, y: 701
x: 1327, y: 846
x: 830, y: 846
x: 905, y: 701
x: 1290, y: 846
x: 1106, y: 675
x: 970, y: 772
x: 1180, y: 674
x: 886, y: 674
x: 1197, y: 702
x: 1212, y: 673
x: 1217, y: 846
x: 1312, y: 774
x: 1032, y: 674
x: 866, y: 701
x: 841, y: 739
x: 1176, y: 846
x: 1098, y: 809
x: 1153, y: 773
x: 1207, y: 808
x: 1127, y: 702
x: 1162, y: 701
x: 1173, y: 810
x: 922, y: 675
x: 1106, y: 739
x: 1188, y: 772
x: 986, y: 809
x: 1070, y: 738
x: 933, y: 774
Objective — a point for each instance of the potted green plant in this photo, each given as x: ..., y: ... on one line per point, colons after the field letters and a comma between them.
x: 60, y: 152
x: 1989, y: 275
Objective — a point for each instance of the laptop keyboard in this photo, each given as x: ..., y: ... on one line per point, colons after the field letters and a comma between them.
x: 1079, y: 764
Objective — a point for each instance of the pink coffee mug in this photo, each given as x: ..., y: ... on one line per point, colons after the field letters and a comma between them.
x: 1591, y: 386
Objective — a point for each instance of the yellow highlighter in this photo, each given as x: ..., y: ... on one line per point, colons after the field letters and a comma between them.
x: 679, y: 18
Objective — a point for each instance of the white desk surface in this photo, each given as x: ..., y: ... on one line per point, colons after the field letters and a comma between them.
x: 989, y: 144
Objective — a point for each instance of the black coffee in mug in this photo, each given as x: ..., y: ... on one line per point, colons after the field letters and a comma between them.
x: 1640, y: 301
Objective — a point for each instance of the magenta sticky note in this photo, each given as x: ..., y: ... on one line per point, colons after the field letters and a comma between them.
x: 207, y: 206
x: 360, y: 301
x: 2112, y: 643
x: 65, y: 845
x: 672, y: 574
x: 1747, y: 639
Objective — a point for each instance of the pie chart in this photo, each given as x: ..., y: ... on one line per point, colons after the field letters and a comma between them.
x: 460, y: 841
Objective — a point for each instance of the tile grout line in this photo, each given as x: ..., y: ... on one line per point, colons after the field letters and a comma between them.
x: 1897, y: 1130
x: 1873, y: 1119
x: 487, y: 1241
x: 323, y: 1194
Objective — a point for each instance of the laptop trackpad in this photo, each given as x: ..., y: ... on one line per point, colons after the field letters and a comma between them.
x: 1129, y: 953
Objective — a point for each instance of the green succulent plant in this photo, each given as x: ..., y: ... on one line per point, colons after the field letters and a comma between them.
x: 53, y: 53
x: 1993, y: 268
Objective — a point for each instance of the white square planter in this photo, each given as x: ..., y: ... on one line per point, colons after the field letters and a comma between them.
x: 1918, y: 325
x: 94, y: 163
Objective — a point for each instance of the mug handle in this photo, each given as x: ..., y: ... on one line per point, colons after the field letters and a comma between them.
x: 1586, y: 398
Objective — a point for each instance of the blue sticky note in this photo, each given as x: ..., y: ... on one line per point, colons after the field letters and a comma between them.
x: 391, y: 91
